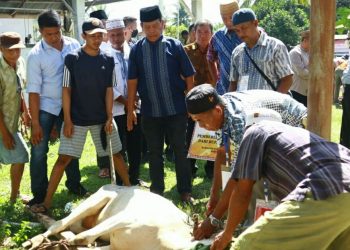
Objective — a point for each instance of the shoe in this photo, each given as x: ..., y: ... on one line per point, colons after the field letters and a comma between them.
x: 187, y: 198
x: 79, y: 190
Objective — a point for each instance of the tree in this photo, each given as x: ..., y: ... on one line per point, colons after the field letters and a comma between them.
x: 283, y: 19
x: 343, y: 21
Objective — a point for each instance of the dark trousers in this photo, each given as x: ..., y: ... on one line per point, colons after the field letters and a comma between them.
x: 300, y: 98
x: 38, y: 160
x: 132, y: 144
x: 155, y: 129
x: 345, y: 123
x: 209, y: 165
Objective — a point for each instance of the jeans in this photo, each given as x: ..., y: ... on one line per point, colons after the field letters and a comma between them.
x: 155, y: 129
x: 38, y: 160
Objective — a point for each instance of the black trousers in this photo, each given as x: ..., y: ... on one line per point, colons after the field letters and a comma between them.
x: 155, y: 129
x: 345, y: 123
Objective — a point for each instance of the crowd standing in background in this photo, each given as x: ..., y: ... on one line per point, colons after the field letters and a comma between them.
x: 154, y: 90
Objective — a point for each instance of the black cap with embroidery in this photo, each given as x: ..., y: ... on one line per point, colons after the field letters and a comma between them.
x: 93, y: 25
x: 99, y: 14
x: 202, y: 98
x: 150, y: 14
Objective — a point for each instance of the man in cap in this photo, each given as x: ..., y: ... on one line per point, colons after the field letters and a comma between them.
x: 80, y: 113
x: 131, y: 140
x: 261, y: 62
x: 13, y: 149
x: 44, y: 85
x: 101, y: 15
x: 309, y: 174
x: 231, y: 113
x: 221, y: 46
x: 161, y: 72
x: 299, y: 57
x: 197, y: 52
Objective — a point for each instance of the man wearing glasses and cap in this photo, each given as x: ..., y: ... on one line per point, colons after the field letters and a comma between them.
x: 161, y: 72
x: 13, y: 149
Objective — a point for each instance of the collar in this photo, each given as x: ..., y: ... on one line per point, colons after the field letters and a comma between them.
x: 262, y: 41
x: 5, y: 65
x: 157, y: 41
x: 46, y: 46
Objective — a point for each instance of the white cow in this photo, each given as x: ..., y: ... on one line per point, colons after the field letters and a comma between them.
x: 129, y: 218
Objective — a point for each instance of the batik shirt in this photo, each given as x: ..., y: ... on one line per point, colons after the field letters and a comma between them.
x: 220, y: 49
x: 270, y: 55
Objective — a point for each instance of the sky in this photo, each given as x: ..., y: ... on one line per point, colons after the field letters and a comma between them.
x: 132, y: 8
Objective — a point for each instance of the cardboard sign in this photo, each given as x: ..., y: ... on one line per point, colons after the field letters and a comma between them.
x: 203, y: 144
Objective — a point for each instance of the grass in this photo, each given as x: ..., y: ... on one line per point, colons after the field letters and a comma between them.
x: 89, y: 173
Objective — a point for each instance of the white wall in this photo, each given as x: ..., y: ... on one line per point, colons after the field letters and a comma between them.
x: 21, y: 26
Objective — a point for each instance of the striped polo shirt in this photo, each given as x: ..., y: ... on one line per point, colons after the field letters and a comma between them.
x: 271, y: 56
x: 159, y: 68
x: 220, y: 49
x: 294, y: 161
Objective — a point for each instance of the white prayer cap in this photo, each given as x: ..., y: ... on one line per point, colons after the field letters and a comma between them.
x: 114, y: 24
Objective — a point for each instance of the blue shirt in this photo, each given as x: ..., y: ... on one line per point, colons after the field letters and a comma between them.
x: 238, y: 105
x: 45, y: 73
x: 159, y: 68
x: 271, y: 56
x: 294, y: 161
x: 88, y: 77
x: 220, y: 49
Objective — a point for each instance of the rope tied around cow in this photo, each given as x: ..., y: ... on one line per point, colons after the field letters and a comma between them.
x: 40, y: 242
x: 62, y: 244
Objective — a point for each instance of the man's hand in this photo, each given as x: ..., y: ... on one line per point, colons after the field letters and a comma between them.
x: 221, y: 241
x: 8, y: 140
x: 131, y: 120
x: 36, y: 134
x: 68, y: 129
x: 213, y: 201
x: 204, y: 230
x: 109, y: 126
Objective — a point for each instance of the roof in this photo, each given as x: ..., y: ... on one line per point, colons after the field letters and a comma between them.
x: 10, y: 8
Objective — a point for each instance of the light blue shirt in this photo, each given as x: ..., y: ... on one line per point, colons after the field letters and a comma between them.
x: 45, y: 73
x: 346, y: 75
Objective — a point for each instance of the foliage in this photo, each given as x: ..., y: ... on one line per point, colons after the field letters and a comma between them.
x: 174, y: 30
x: 343, y: 3
x: 343, y: 23
x: 181, y: 17
x: 283, y: 19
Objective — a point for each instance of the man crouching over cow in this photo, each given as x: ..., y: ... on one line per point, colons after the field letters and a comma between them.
x: 87, y: 105
x: 309, y: 174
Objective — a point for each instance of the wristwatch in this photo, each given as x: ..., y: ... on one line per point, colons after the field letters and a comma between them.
x: 214, y: 221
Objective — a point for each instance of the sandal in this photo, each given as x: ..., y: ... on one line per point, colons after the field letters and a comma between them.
x: 38, y: 209
x: 104, y: 173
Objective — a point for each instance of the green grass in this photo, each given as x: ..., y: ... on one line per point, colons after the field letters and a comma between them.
x: 89, y: 173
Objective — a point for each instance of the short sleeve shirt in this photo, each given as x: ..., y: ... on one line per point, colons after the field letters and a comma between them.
x: 220, y: 49
x: 271, y: 56
x: 88, y: 77
x: 239, y: 104
x: 11, y: 83
x: 294, y: 161
x: 159, y: 68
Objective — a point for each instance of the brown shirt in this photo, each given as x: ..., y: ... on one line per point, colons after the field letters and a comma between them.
x: 199, y: 61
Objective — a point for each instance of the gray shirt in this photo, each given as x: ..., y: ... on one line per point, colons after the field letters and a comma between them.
x: 300, y: 66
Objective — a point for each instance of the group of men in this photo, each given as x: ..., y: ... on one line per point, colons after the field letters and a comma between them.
x: 170, y: 81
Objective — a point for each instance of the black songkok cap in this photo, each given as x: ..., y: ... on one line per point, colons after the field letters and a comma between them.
x: 202, y: 98
x: 150, y: 14
x: 99, y: 14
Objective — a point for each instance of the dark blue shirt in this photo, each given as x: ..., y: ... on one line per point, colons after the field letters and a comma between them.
x: 89, y: 77
x: 158, y: 67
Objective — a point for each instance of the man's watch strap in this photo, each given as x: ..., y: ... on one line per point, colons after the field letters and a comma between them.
x: 215, y: 222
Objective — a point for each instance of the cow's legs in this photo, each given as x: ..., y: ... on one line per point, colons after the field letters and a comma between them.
x: 88, y: 207
x: 115, y: 222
